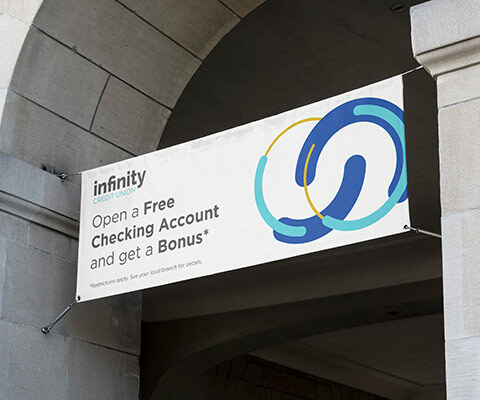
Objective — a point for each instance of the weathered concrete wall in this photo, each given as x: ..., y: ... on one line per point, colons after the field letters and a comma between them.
x: 446, y: 40
x: 101, y: 76
x: 93, y: 352
x: 83, y: 83
x: 15, y: 19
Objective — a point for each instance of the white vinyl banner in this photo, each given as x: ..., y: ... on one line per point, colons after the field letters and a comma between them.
x: 324, y: 175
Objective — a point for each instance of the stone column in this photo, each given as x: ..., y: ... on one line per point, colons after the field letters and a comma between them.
x: 446, y: 41
x: 93, y: 352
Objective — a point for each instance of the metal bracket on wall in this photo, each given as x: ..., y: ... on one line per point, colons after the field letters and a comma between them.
x: 49, y: 327
x: 417, y: 230
x: 65, y: 176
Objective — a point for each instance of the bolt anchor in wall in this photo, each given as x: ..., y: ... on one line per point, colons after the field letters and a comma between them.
x: 49, y: 327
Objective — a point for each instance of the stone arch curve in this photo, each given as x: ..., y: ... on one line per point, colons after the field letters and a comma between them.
x: 89, y: 82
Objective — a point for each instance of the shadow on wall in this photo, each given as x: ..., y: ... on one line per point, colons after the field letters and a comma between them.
x: 251, y: 378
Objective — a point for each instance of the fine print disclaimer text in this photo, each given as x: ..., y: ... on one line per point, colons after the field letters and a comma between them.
x: 141, y: 275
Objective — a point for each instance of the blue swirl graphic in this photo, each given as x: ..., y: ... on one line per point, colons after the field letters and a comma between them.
x: 374, y: 110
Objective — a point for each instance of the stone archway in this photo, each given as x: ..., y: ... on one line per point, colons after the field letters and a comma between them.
x: 83, y: 83
x: 88, y: 83
x: 95, y: 82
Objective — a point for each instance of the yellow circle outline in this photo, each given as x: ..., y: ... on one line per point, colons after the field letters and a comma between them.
x: 305, y: 184
x: 287, y: 129
x: 310, y: 203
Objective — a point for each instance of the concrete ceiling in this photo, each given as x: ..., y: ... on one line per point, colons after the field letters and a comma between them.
x: 410, y: 349
x: 400, y: 359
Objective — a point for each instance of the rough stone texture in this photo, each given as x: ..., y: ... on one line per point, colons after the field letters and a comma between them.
x: 447, y: 32
x: 11, y: 169
x: 459, y: 149
x: 14, y: 33
x: 243, y: 7
x: 52, y: 242
x: 42, y: 138
x: 99, y: 373
x: 14, y: 229
x: 38, y: 196
x: 129, y: 119
x: 198, y: 26
x: 37, y: 281
x: 443, y: 22
x: 24, y: 10
x: 15, y: 19
x: 461, y: 274
x: 459, y: 86
x: 3, y: 257
x: 36, y: 366
x: 38, y: 285
x: 117, y: 39
x: 51, y: 88
x: 451, y: 58
x: 463, y: 368
x: 61, y: 80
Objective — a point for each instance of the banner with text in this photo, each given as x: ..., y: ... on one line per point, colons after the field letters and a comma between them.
x: 320, y: 176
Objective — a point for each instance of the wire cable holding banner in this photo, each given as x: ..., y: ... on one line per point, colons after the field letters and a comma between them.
x: 428, y: 233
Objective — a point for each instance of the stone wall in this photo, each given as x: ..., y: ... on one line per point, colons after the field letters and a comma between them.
x: 93, y: 352
x: 83, y: 83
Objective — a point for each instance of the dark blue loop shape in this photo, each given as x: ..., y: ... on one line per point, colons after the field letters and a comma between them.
x: 355, y: 167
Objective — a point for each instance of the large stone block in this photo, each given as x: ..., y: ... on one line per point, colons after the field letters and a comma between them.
x: 46, y: 367
x: 52, y: 242
x: 39, y: 285
x: 55, y: 77
x: 458, y: 86
x: 459, y: 156
x: 114, y: 322
x: 243, y: 7
x: 198, y: 26
x: 3, y: 257
x: 23, y: 10
x: 13, y: 228
x: 99, y: 373
x: 439, y: 23
x: 463, y: 368
x: 118, y: 40
x: 129, y: 119
x: 18, y: 178
x: 33, y: 365
x: 4, y: 356
x: 42, y: 138
x: 35, y: 195
x: 13, y: 33
x: 461, y: 275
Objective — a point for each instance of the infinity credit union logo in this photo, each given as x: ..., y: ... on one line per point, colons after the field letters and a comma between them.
x: 374, y: 110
